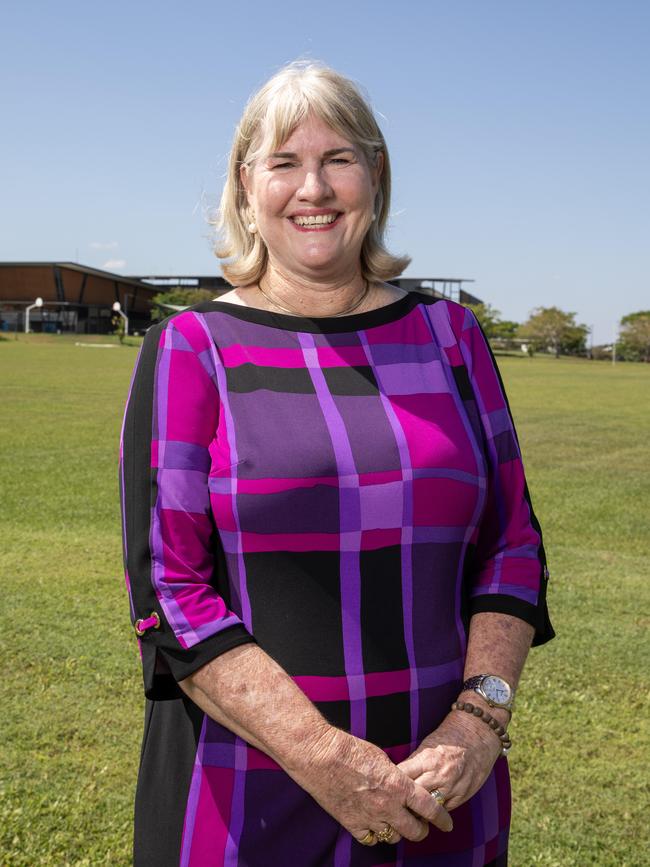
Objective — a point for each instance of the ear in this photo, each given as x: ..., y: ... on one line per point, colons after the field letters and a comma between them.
x: 244, y: 178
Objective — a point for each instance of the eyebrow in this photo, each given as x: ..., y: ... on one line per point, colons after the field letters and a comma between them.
x: 290, y: 155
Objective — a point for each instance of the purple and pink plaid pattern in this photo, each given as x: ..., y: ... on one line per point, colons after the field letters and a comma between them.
x: 347, y: 493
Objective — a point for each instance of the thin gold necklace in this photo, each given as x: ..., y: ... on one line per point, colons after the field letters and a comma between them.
x: 331, y: 315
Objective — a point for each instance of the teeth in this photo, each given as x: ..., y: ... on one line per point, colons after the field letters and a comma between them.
x: 320, y: 220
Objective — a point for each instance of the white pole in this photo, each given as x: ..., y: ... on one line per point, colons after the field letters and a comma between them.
x: 37, y: 303
x: 117, y: 307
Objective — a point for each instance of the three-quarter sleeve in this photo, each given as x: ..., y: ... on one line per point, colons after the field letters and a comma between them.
x: 508, y: 571
x: 170, y: 543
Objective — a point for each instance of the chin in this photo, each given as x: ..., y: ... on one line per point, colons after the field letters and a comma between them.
x: 330, y: 270
x: 335, y: 260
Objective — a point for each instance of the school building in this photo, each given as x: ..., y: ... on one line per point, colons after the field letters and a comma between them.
x: 80, y: 299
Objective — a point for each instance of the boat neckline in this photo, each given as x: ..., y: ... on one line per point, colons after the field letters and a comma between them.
x: 320, y: 324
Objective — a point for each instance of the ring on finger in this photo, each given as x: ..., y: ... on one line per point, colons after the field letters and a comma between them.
x: 437, y: 795
x: 384, y: 836
x: 368, y: 839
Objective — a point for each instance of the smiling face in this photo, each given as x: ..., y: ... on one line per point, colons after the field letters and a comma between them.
x: 313, y: 201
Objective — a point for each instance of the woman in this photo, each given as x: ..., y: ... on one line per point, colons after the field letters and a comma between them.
x: 328, y: 536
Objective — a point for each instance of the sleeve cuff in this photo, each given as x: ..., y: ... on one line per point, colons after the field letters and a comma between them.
x: 536, y: 615
x: 164, y: 667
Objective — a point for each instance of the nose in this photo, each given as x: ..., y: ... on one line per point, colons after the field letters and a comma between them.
x: 314, y: 186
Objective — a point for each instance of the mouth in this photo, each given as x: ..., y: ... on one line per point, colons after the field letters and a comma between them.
x: 315, y: 223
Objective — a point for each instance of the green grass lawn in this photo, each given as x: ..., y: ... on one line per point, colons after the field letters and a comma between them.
x: 72, y: 703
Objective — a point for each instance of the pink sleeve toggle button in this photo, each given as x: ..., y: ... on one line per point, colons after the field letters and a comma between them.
x: 143, y: 624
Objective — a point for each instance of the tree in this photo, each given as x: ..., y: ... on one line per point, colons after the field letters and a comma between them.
x: 488, y: 318
x: 178, y: 297
x: 117, y: 322
x: 505, y: 333
x: 500, y: 331
x: 549, y: 328
x: 635, y: 336
x: 506, y: 330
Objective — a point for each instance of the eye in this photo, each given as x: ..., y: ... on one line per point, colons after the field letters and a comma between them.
x: 282, y: 165
x: 342, y: 161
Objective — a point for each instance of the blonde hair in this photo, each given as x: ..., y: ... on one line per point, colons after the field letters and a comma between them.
x: 270, y: 117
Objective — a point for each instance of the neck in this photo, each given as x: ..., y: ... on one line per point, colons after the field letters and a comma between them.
x: 311, y: 297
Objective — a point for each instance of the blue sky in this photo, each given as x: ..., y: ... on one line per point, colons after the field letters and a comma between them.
x: 519, y: 134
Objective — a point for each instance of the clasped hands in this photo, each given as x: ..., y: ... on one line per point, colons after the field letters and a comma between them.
x: 364, y: 790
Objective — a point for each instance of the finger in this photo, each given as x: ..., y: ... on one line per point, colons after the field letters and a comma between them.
x: 394, y: 838
x: 455, y: 792
x: 454, y: 795
x: 413, y: 766
x: 450, y: 789
x: 420, y: 801
x: 366, y: 838
x: 409, y: 825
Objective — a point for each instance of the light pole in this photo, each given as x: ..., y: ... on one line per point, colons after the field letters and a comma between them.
x: 117, y: 307
x: 37, y: 303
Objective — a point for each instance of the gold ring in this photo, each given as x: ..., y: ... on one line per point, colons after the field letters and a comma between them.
x: 385, y: 834
x: 438, y: 796
x: 368, y: 839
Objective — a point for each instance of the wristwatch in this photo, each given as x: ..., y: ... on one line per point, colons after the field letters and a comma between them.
x: 494, y: 689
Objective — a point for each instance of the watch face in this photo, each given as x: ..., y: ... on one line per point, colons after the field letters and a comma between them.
x: 496, y: 689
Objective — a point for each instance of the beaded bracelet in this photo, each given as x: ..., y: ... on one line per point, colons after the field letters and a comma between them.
x: 494, y: 724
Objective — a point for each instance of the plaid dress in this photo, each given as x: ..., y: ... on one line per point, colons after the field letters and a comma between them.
x: 346, y: 492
